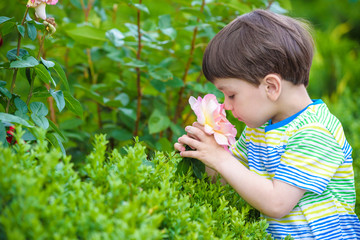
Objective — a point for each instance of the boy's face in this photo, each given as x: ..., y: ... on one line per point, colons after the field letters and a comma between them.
x: 247, y: 102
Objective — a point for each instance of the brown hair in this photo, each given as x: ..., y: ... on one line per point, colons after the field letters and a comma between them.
x: 259, y: 43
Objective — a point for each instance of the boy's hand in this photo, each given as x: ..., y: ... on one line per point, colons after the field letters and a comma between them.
x: 206, y: 149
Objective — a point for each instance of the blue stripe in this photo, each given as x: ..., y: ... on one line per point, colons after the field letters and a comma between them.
x: 301, y: 179
x: 289, y: 119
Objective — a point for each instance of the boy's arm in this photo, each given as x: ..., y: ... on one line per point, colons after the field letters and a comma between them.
x: 213, y: 174
x: 273, y: 198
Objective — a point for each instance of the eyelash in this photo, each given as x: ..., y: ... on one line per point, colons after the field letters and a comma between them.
x: 231, y: 97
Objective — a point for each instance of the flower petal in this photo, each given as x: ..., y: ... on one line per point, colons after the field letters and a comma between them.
x: 220, y: 139
x: 40, y: 11
x: 208, y: 129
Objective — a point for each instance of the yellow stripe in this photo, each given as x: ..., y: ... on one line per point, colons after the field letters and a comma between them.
x: 305, y: 168
x: 312, y: 127
x: 321, y: 163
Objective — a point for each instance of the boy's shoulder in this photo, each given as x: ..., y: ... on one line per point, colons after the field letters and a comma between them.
x: 317, y: 116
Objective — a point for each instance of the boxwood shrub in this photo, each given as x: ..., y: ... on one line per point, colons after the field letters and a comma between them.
x: 114, y: 196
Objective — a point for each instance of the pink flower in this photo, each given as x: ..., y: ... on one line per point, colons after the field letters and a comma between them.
x: 212, y: 115
x: 39, y: 6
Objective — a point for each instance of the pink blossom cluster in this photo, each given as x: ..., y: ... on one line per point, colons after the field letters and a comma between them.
x: 212, y: 115
x: 35, y: 3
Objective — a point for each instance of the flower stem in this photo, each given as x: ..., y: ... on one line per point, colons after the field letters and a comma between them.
x: 16, y: 69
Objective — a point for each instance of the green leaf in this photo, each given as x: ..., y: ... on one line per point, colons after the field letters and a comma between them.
x: 21, y: 105
x: 123, y: 98
x: 5, y: 92
x: 26, y: 61
x: 87, y: 35
x: 5, y: 65
x: 21, y: 30
x: 22, y: 109
x: 116, y: 37
x: 11, y: 54
x: 31, y: 31
x: 43, y: 74
x: 39, y: 109
x: 159, y: 85
x: 41, y: 121
x: 193, y: 12
x: 7, y: 28
x: 241, y: 7
x: 165, y: 26
x: 3, y: 135
x: 38, y: 26
x: 141, y: 7
x: 73, y: 104
x: 28, y: 136
x: 21, y: 115
x: 129, y: 112
x: 198, y: 168
x: 56, y: 142
x: 175, y: 82
x: 57, y: 130
x: 164, y: 21
x: 58, y: 69
x: 47, y: 64
x: 41, y: 92
x: 4, y: 19
x: 5, y: 117
x: 161, y: 74
x: 183, y: 166
x: 136, y: 63
x: 59, y: 99
x: 121, y: 134
x: 28, y: 75
x: 285, y: 4
x: 158, y: 122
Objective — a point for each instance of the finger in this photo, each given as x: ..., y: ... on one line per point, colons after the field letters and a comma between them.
x: 194, y: 131
x: 198, y: 125
x: 191, y: 135
x: 179, y: 147
x: 190, y: 154
x: 191, y: 142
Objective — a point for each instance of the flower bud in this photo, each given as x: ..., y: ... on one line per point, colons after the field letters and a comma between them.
x: 40, y: 11
x: 50, y: 25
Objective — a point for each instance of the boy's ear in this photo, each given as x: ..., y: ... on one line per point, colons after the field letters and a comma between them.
x: 273, y: 86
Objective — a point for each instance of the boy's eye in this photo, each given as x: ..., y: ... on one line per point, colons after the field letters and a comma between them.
x: 231, y: 96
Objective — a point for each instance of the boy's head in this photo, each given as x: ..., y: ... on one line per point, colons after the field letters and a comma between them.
x: 257, y: 44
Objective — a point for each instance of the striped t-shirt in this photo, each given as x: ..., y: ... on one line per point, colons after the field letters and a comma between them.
x: 307, y: 150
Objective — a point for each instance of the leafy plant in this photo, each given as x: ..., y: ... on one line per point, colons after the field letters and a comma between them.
x: 34, y: 70
x: 114, y: 196
x: 196, y: 166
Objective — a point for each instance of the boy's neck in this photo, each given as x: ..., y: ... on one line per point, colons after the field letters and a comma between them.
x: 292, y: 100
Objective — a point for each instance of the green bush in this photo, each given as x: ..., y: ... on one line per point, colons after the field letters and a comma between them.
x: 114, y: 196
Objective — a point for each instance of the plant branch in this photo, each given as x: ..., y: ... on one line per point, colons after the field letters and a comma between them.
x: 138, y: 75
x: 86, y: 9
x: 180, y: 103
x: 17, y: 54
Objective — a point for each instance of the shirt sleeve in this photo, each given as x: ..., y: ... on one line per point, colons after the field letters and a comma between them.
x: 239, y: 150
x: 311, y: 158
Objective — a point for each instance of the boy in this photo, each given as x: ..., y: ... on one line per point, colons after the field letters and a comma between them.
x: 292, y: 161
